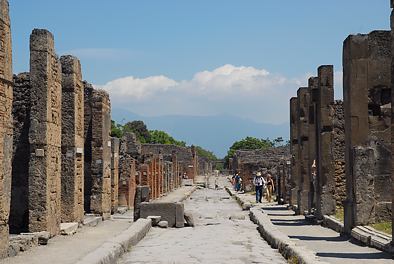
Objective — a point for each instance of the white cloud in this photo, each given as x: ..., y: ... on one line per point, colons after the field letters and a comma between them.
x: 243, y: 91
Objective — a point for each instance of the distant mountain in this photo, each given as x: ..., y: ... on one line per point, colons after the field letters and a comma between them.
x: 215, y: 133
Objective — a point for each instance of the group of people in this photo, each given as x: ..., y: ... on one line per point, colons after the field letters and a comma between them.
x: 262, y: 181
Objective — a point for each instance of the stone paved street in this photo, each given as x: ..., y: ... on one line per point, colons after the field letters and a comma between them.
x: 215, y: 239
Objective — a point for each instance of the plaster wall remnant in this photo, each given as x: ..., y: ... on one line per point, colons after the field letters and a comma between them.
x: 72, y: 140
x: 6, y: 129
x: 45, y: 134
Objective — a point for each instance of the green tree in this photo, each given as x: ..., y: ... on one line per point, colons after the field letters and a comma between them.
x: 248, y: 143
x: 140, y: 130
x: 116, y: 129
x: 201, y: 152
x: 161, y: 137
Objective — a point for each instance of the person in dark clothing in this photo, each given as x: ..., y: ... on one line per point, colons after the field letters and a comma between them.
x: 259, y: 183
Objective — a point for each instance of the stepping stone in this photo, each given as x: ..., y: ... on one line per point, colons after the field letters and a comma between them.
x: 163, y: 224
x: 67, y: 229
x: 155, y: 219
x: 237, y: 217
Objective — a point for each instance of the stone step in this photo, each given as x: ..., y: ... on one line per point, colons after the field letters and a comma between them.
x: 92, y: 220
x: 67, y: 229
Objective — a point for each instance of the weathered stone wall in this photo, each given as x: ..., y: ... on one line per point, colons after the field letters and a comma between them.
x: 100, y: 198
x: 72, y: 140
x: 294, y: 151
x: 21, y: 106
x: 6, y: 130
x: 325, y: 190
x: 44, y: 134
x: 88, y: 180
x: 115, y: 142
x: 303, y: 149
x: 392, y: 115
x: 339, y: 153
x: 367, y: 95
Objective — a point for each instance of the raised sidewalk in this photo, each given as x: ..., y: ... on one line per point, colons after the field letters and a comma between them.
x: 297, y: 239
x: 100, y: 244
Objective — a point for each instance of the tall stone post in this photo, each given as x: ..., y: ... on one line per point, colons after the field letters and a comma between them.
x: 303, y: 142
x: 294, y: 150
x: 114, y: 174
x: 6, y: 128
x: 72, y: 140
x: 174, y: 179
x: 325, y: 164
x: 313, y: 83
x: 392, y: 118
x: 366, y: 89
x: 100, y: 199
x: 45, y: 134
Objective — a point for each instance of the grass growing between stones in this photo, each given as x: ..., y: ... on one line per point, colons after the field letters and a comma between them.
x: 339, y: 214
x: 385, y: 227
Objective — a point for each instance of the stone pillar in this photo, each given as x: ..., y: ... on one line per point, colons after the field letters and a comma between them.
x: 325, y: 163
x: 313, y: 83
x: 45, y: 134
x: 127, y: 171
x: 72, y: 140
x: 21, y: 107
x: 367, y: 84
x: 303, y: 142
x: 100, y: 199
x: 294, y: 150
x: 114, y: 174
x: 392, y: 117
x: 88, y: 181
x: 6, y: 128
x: 175, y: 179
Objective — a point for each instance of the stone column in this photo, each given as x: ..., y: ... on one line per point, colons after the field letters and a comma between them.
x: 127, y: 171
x: 294, y: 151
x: 72, y: 140
x: 100, y: 199
x: 6, y: 128
x: 325, y: 163
x: 367, y: 84
x: 313, y: 83
x: 174, y: 180
x: 392, y: 117
x: 45, y: 134
x: 303, y: 142
x: 114, y: 174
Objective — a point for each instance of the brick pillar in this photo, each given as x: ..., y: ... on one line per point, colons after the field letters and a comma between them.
x: 45, y: 134
x: 114, y: 174
x: 100, y: 199
x: 72, y: 140
x: 325, y: 164
x: 6, y: 128
x: 303, y: 142
x: 294, y: 150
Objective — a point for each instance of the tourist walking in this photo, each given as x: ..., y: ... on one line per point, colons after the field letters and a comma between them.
x: 270, y: 187
x: 259, y: 183
x: 237, y: 182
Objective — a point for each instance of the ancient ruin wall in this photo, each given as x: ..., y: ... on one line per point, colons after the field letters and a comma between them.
x: 44, y: 134
x: 367, y: 94
x: 294, y: 150
x: 72, y: 140
x: 88, y: 181
x: 19, y: 214
x: 115, y: 142
x: 100, y: 198
x: 6, y: 129
x: 339, y: 153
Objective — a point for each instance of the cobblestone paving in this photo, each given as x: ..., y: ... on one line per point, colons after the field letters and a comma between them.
x: 215, y: 239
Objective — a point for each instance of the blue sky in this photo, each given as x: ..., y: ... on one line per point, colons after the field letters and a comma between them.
x: 244, y: 58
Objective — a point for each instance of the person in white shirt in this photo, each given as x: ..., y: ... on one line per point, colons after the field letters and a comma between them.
x: 259, y: 183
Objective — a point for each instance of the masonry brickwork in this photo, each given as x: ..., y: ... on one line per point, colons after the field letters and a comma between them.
x: 6, y: 130
x: 72, y: 140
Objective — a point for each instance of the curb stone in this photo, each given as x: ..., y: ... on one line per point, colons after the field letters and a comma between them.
x: 278, y: 240
x: 114, y: 248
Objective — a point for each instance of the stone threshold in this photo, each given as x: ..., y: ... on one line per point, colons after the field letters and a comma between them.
x: 373, y: 238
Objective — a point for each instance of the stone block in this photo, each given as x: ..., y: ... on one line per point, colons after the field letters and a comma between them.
x: 163, y: 224
x: 67, y: 229
x: 179, y: 215
x: 173, y: 213
x: 155, y: 219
